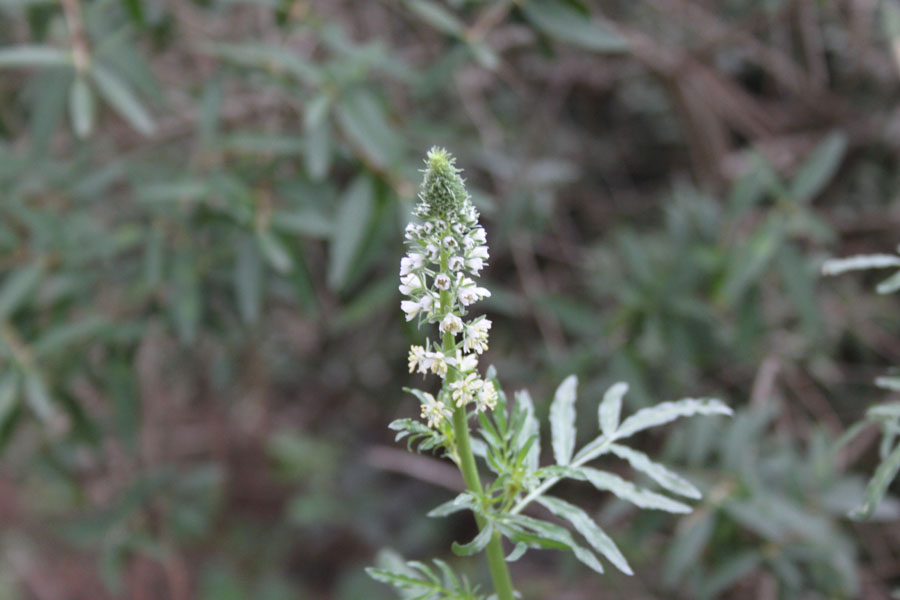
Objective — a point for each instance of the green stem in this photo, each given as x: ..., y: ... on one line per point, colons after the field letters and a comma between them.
x: 494, y: 550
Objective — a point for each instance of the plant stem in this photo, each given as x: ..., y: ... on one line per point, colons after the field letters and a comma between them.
x: 494, y: 550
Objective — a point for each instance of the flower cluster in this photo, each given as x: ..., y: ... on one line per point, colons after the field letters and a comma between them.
x: 446, y: 251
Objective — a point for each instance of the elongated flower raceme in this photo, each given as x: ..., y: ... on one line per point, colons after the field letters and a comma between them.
x: 446, y: 252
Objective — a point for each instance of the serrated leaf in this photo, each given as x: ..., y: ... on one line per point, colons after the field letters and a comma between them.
x: 631, y: 493
x: 669, y: 411
x: 659, y: 473
x: 819, y: 168
x: 562, y: 22
x: 878, y: 485
x: 611, y: 407
x: 17, y: 286
x: 34, y: 56
x: 476, y: 545
x: 81, y: 107
x: 586, y: 526
x: 562, y: 420
x: 119, y: 95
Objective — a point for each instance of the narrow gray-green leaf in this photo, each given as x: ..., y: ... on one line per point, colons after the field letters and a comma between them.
x: 836, y: 266
x: 275, y: 251
x: 631, y: 493
x: 463, y: 501
x: 38, y: 397
x: 562, y: 420
x: 9, y: 392
x: 476, y: 545
x: 564, y: 23
x: 364, y: 124
x: 349, y: 231
x: 586, y: 526
x: 659, y: 473
x: 889, y: 285
x: 120, y: 96
x: 34, y: 56
x: 669, y: 411
x: 437, y: 16
x: 819, y: 168
x: 560, y: 535
x: 611, y: 407
x: 529, y: 429
x: 81, y: 107
x: 248, y: 280
x: 17, y: 286
x: 878, y: 485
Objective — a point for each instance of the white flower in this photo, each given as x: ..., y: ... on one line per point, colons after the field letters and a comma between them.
x: 486, y: 397
x: 457, y: 228
x: 475, y: 265
x: 440, y: 225
x: 456, y: 263
x: 432, y: 252
x: 410, y: 283
x: 464, y: 390
x: 412, y: 262
x: 449, y: 242
x: 451, y: 324
x: 426, y: 303
x: 442, y: 281
x: 434, y: 411
x: 428, y: 227
x: 479, y: 236
x: 437, y: 363
x: 412, y: 231
x: 416, y: 358
x: 463, y: 362
x: 476, y: 336
x: 478, y: 252
x: 411, y: 308
x: 469, y: 293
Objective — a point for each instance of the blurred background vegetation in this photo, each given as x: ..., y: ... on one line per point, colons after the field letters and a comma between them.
x: 201, y: 213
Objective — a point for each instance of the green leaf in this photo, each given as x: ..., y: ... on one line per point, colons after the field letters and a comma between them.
x: 364, y: 124
x: 878, y: 485
x: 17, y: 287
x: 351, y: 224
x: 562, y: 420
x: 64, y: 335
x: 34, y: 56
x: 631, y: 493
x: 611, y: 407
x: 115, y: 91
x: 248, y: 281
x: 9, y: 391
x: 660, y: 474
x: 81, y: 107
x: 685, y: 549
x: 558, y: 536
x: 476, y: 545
x: 819, y: 168
x: 669, y: 411
x: 562, y: 22
x: 595, y: 536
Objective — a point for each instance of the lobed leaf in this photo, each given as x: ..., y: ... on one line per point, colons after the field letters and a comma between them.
x: 611, y: 407
x: 562, y: 420
x: 631, y: 493
x: 669, y: 411
x: 595, y: 536
x: 659, y: 473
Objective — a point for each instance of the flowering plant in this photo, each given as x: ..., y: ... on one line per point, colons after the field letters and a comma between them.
x: 447, y: 250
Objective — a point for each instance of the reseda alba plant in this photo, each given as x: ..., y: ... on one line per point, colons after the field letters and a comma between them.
x: 447, y: 249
